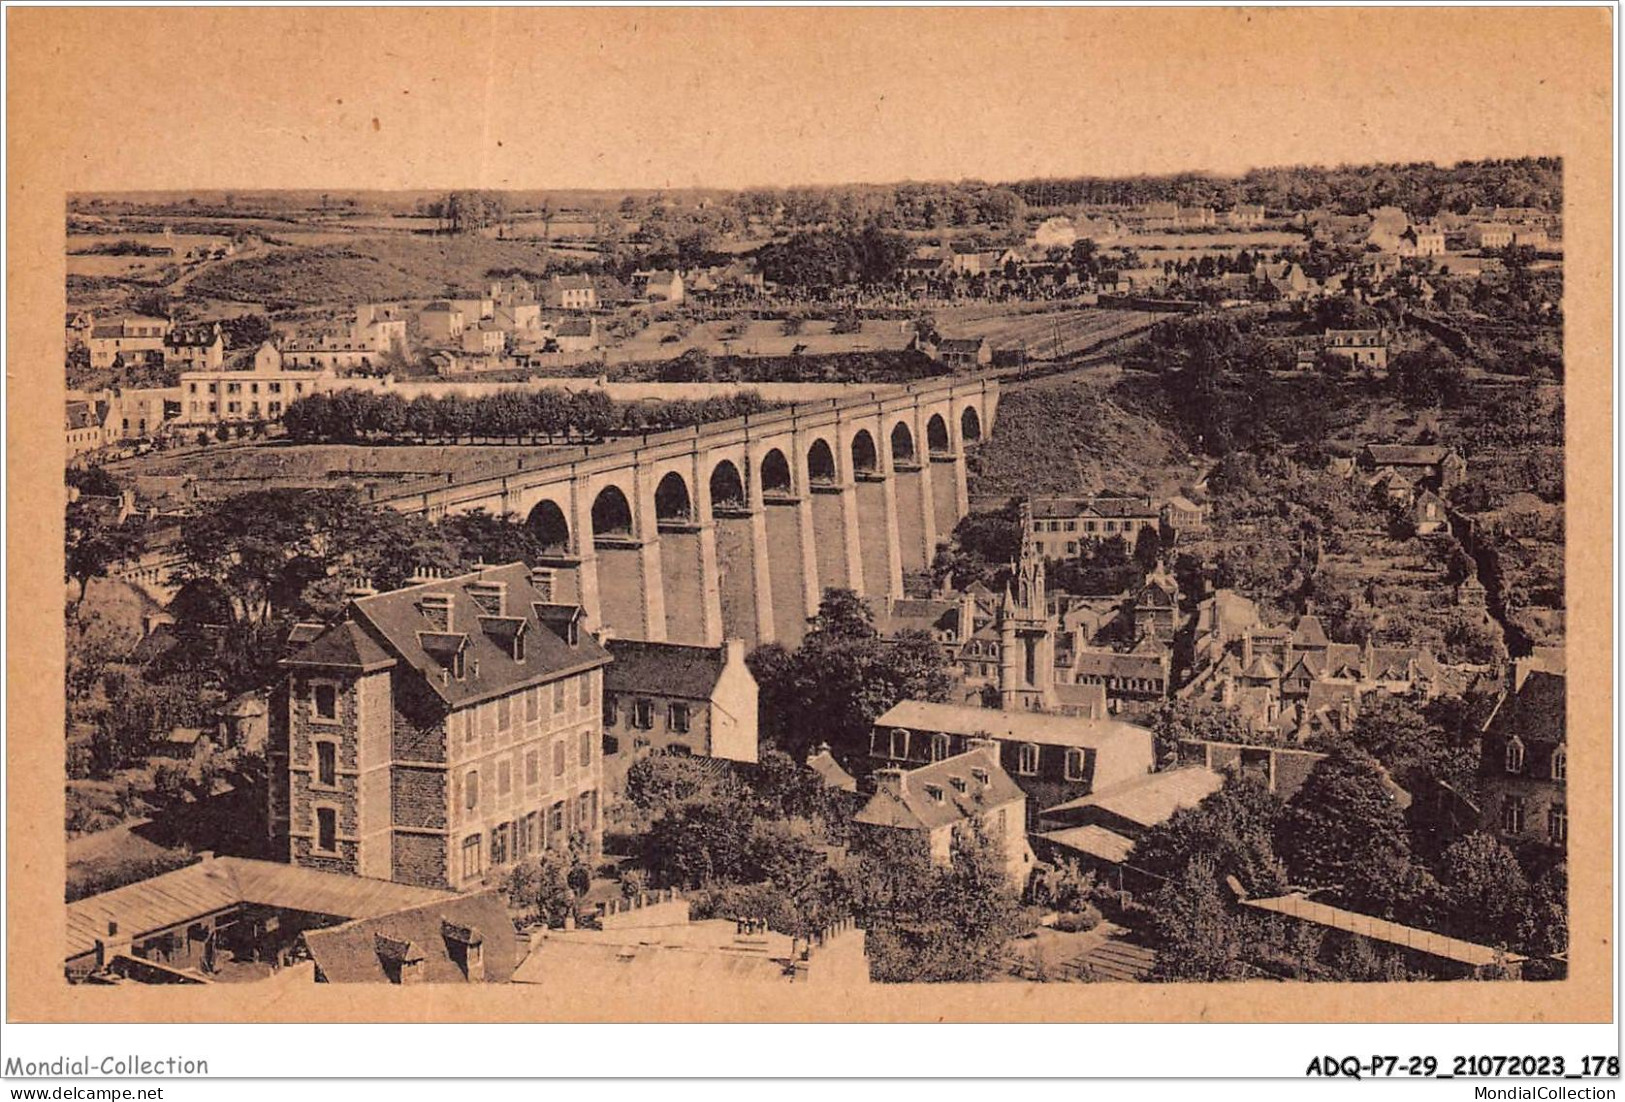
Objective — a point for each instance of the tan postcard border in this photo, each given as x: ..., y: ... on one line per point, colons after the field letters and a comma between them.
x: 125, y: 99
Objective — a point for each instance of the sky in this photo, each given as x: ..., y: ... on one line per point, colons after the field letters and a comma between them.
x: 640, y: 98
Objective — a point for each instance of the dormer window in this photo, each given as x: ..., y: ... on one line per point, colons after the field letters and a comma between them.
x: 935, y: 792
x: 981, y: 776
x: 958, y: 783
x: 939, y: 746
x: 1027, y: 760
x: 1514, y: 755
x: 898, y: 746
x: 1075, y: 764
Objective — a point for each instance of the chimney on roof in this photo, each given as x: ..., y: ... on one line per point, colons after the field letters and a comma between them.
x: 541, y: 580
x: 491, y: 597
x: 889, y: 780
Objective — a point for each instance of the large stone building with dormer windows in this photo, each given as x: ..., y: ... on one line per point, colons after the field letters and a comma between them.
x: 440, y: 732
x: 1523, y: 759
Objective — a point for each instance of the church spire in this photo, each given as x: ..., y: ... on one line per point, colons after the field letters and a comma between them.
x: 1030, y: 594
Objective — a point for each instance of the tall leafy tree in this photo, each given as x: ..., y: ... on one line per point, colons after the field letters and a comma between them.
x: 843, y: 676
x: 1344, y: 832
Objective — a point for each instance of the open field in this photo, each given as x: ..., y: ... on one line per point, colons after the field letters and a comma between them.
x: 1053, y: 334
x: 368, y: 269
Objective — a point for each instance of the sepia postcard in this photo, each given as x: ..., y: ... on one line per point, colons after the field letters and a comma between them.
x: 1063, y: 514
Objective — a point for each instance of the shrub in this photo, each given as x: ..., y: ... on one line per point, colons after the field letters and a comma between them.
x: 1077, y: 922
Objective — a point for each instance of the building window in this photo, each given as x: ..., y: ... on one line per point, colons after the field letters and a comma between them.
x: 612, y: 713
x: 525, y: 837
x: 533, y: 767
x: 558, y: 758
x: 677, y: 717
x: 1075, y: 765
x: 558, y: 697
x: 472, y: 865
x: 584, y: 811
x: 500, y: 836
x: 555, y: 825
x: 471, y: 727
x: 585, y: 690
x: 586, y: 749
x: 1512, y: 815
x: 897, y: 747
x: 1514, y: 755
x: 326, y: 700
x: 939, y: 746
x: 504, y: 781
x: 504, y: 713
x: 327, y: 829
x: 471, y: 789
x: 327, y: 764
x: 533, y: 706
x: 1557, y: 824
x: 643, y: 714
x: 1560, y: 764
x: 1027, y: 759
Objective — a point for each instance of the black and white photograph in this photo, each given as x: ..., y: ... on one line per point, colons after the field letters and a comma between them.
x: 999, y: 556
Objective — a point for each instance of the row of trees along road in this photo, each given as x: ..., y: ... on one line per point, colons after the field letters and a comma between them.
x: 550, y: 414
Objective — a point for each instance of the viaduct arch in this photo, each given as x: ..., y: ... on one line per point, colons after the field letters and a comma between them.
x: 734, y: 529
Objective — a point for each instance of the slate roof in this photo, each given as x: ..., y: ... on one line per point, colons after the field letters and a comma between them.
x: 1150, y: 800
x: 394, y: 626
x: 344, y: 646
x: 1104, y: 505
x: 1105, y: 663
x: 1309, y: 632
x: 200, y: 336
x: 1039, y: 727
x: 830, y: 772
x: 1380, y: 929
x: 217, y: 883
x: 82, y: 415
x: 1406, y: 455
x: 1536, y: 712
x: 930, y: 796
x: 1089, y: 699
x: 1094, y: 841
x: 664, y: 669
x: 1262, y: 668
x: 351, y: 953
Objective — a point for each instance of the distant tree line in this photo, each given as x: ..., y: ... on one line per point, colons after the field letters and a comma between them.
x: 1422, y: 189
x: 552, y: 413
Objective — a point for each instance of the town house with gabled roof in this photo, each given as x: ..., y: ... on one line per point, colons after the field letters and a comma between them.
x: 941, y: 801
x: 441, y: 731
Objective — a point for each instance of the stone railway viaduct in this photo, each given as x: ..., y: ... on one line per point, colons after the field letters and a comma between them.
x: 734, y: 529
